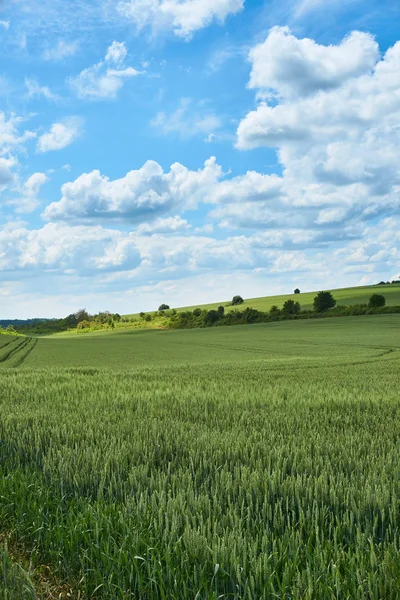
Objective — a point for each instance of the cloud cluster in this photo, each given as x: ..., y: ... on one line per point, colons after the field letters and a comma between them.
x: 142, y: 195
x: 104, y: 79
x: 332, y: 114
x: 184, y: 17
x: 58, y: 249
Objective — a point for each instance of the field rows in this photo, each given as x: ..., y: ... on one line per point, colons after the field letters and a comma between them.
x: 172, y: 465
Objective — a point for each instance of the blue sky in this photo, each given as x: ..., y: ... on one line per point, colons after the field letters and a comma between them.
x: 184, y: 151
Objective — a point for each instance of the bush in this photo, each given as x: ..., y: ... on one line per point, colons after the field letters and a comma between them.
x: 297, y: 291
x: 220, y: 311
x: 197, y: 312
x: 323, y: 301
x: 148, y: 318
x: 291, y: 307
x: 163, y: 307
x: 377, y: 301
x: 237, y: 300
x: 274, y: 311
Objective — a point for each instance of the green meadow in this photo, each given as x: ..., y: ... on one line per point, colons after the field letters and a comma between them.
x: 249, y: 462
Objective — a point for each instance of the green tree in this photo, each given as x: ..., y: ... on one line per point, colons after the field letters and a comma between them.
x: 297, y: 291
x: 291, y: 307
x: 274, y: 311
x: 323, y: 301
x: 377, y: 301
x: 220, y: 311
x: 163, y: 307
x: 237, y: 300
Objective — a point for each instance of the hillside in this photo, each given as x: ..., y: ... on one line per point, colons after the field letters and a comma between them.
x: 345, y: 296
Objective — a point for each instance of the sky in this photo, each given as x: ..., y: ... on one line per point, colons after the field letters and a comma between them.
x: 185, y: 151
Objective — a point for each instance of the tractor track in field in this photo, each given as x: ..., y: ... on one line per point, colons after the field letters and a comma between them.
x: 16, y: 355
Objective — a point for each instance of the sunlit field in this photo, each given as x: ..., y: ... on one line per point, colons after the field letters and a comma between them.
x: 241, y: 462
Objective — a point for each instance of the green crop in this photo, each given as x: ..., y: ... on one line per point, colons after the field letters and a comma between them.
x: 256, y: 462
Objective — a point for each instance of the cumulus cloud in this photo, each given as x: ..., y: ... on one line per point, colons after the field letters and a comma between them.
x: 331, y: 112
x: 60, y: 135
x: 104, y: 79
x: 187, y: 121
x: 183, y: 17
x: 288, y: 67
x: 62, y: 249
x: 168, y: 225
x: 6, y: 173
x: 143, y: 194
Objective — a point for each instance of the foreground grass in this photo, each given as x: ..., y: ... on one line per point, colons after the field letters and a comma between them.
x: 15, y: 583
x: 271, y: 472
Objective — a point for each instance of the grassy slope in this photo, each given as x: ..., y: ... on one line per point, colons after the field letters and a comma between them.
x: 346, y: 296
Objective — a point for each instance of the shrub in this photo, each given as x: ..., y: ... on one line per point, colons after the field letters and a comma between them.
x: 291, y: 307
x: 197, y: 312
x: 220, y: 311
x: 297, y: 291
x: 237, y: 300
x: 323, y: 301
x: 148, y: 318
x: 377, y: 301
x: 163, y: 307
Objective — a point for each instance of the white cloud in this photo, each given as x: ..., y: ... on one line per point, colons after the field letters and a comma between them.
x: 117, y: 53
x: 36, y: 91
x: 6, y: 173
x: 168, y: 225
x: 5, y: 24
x: 332, y: 115
x: 60, y: 135
x: 184, y: 17
x: 63, y: 49
x: 63, y: 249
x: 10, y: 137
x: 143, y: 194
x: 288, y: 67
x: 101, y: 81
x: 188, y: 121
x: 27, y: 199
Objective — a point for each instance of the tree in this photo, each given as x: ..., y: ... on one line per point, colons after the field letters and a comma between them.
x: 297, y: 291
x: 148, y: 318
x: 237, y: 300
x: 164, y: 307
x: 142, y: 315
x: 377, y: 301
x: 211, y: 317
x: 197, y: 312
x: 323, y: 301
x: 220, y: 311
x: 117, y: 317
x: 82, y: 315
x: 274, y: 311
x: 291, y: 307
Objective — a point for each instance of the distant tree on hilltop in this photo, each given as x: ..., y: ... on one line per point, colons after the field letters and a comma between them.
x: 297, y: 291
x: 323, y: 301
x: 237, y: 300
x: 163, y: 307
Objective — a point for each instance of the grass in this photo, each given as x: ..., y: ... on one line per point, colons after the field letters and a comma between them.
x: 253, y: 462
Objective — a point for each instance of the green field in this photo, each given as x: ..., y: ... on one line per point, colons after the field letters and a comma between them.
x: 251, y: 462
